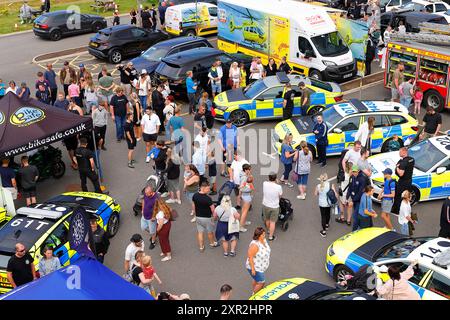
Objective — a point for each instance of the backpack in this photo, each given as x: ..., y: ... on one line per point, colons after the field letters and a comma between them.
x: 331, y: 197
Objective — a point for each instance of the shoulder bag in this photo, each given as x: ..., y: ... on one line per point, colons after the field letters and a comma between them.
x: 233, y: 224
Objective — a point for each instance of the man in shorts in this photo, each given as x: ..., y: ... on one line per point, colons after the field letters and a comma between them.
x: 397, y: 80
x: 204, y: 208
x: 272, y: 193
x: 235, y: 172
x: 29, y: 175
x: 150, y: 127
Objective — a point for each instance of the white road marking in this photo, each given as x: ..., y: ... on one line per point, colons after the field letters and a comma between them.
x: 272, y: 155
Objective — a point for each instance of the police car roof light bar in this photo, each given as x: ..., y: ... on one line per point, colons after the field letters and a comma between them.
x: 282, y: 77
x: 361, y: 107
x: 39, y: 213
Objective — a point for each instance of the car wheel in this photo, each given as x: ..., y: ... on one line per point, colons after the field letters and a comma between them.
x: 315, y: 110
x: 113, y: 224
x: 59, y: 169
x: 96, y: 27
x: 340, y: 273
x: 239, y: 117
x: 190, y: 33
x: 115, y: 56
x: 315, y: 74
x: 433, y: 99
x: 415, y: 195
x: 56, y: 35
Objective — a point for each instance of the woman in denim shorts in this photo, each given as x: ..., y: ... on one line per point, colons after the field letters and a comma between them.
x: 191, y: 184
x: 258, y: 259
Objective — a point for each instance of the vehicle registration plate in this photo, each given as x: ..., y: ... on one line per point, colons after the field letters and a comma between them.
x: 347, y: 76
x: 94, y: 44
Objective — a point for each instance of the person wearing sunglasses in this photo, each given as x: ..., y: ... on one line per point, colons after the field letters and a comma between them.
x: 20, y: 269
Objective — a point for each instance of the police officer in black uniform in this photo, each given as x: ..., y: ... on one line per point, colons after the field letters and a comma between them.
x: 404, y: 171
x: 288, y: 102
x: 86, y: 166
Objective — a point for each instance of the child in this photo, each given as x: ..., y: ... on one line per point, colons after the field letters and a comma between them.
x: 404, y: 215
x: 394, y: 144
x: 387, y: 197
x: 418, y: 97
x: 149, y: 273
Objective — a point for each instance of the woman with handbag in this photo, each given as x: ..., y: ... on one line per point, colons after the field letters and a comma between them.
x: 365, y: 132
x: 321, y: 192
x: 227, y: 226
x: 163, y: 214
x: 344, y: 203
x: 303, y: 159
x: 365, y: 212
x: 398, y: 287
x: 246, y: 188
x: 234, y: 78
x: 287, y: 157
x: 404, y: 215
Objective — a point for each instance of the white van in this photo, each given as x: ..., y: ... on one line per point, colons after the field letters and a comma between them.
x: 191, y: 19
x: 304, y: 34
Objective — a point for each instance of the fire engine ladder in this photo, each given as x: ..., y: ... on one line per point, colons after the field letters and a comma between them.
x: 422, y: 37
x: 435, y: 28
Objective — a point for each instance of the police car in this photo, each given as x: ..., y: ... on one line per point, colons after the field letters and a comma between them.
x: 304, y: 289
x: 382, y: 248
x: 47, y: 224
x: 431, y: 175
x: 343, y: 121
x: 263, y: 99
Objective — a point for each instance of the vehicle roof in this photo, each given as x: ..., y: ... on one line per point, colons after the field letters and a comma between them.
x: 313, y: 19
x: 118, y: 28
x: 58, y: 12
x: 179, y: 41
x: 427, y: 2
x: 191, y: 55
x: 422, y: 253
x: 438, y: 143
x: 190, y: 5
x: 418, y: 15
x: 426, y: 47
x: 354, y: 106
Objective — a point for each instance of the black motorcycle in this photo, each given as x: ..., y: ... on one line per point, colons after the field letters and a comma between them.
x: 48, y: 161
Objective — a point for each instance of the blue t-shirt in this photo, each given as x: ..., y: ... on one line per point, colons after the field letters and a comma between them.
x: 190, y: 84
x: 176, y: 123
x: 389, y: 187
x: 286, y: 148
x: 50, y: 76
x: 2, y: 89
x: 7, y: 174
x: 366, y: 203
x: 228, y: 136
x: 62, y: 104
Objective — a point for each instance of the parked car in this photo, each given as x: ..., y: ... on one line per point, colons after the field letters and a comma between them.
x: 389, y: 5
x: 199, y: 60
x: 177, y: 2
x: 411, y: 19
x: 58, y: 24
x: 437, y: 7
x: 151, y: 58
x: 115, y: 43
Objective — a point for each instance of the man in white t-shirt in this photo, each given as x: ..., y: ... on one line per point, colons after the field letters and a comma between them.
x: 203, y: 139
x: 137, y: 244
x: 199, y: 160
x: 235, y: 171
x: 272, y: 193
x: 353, y: 155
x: 150, y: 127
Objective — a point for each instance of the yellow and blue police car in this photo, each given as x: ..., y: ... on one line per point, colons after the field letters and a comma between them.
x: 263, y: 99
x: 381, y: 248
x: 47, y: 224
x: 304, y: 289
x: 431, y: 175
x: 343, y: 121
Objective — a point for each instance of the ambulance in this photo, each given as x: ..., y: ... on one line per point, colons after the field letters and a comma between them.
x: 191, y: 19
x: 304, y: 34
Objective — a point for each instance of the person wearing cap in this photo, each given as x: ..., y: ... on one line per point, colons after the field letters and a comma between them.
x: 355, y: 191
x: 387, y: 197
x: 305, y: 98
x: 136, y: 244
x: 143, y: 85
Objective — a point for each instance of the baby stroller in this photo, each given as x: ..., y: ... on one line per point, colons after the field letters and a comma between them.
x: 225, y: 190
x: 157, y: 181
x: 286, y: 213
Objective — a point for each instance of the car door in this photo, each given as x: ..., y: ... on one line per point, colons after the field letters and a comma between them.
x: 440, y: 180
x: 153, y: 37
x: 140, y: 40
x: 269, y: 104
x: 438, y: 286
x: 58, y: 239
x: 125, y: 41
x: 381, y: 131
x: 342, y: 135
x: 86, y: 23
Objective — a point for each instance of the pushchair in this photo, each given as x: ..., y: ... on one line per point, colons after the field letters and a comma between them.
x: 286, y: 213
x: 225, y: 190
x: 157, y: 181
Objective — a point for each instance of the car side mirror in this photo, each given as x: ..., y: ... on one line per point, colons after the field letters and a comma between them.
x: 337, y: 130
x: 441, y: 170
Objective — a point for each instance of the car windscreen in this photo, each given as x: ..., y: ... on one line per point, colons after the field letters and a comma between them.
x: 102, y: 35
x: 400, y: 250
x: 330, y: 44
x: 155, y: 53
x: 331, y: 116
x: 426, y: 155
x: 255, y: 88
x: 171, y: 70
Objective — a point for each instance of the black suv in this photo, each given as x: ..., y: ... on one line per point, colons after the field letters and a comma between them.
x: 199, y: 61
x: 117, y: 42
x: 58, y: 24
x: 410, y: 19
x: 150, y: 59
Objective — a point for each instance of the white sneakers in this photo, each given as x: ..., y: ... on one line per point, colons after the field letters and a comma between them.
x: 242, y: 229
x: 194, y: 219
x: 166, y: 258
x: 301, y: 197
x: 147, y: 159
x: 171, y: 201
